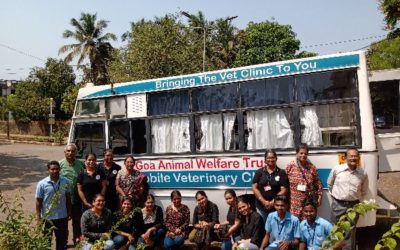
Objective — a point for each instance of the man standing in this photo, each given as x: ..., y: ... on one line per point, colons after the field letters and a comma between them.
x: 53, y: 204
x: 70, y: 169
x: 347, y: 184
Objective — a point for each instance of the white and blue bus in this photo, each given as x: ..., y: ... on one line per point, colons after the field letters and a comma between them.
x: 209, y: 131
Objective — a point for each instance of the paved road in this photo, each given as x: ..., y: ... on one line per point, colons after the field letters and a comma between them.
x: 23, y: 165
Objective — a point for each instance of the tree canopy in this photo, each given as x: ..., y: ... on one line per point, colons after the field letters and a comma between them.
x: 91, y: 44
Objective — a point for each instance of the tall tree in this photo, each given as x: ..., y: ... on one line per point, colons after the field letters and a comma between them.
x: 159, y: 48
x: 91, y: 44
x: 53, y: 80
x: 266, y: 42
x: 391, y: 10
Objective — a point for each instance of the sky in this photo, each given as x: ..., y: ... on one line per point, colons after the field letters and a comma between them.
x: 31, y: 31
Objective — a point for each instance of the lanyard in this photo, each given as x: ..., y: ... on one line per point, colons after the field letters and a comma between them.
x: 270, y: 176
x: 313, y: 235
x: 280, y: 230
x: 56, y: 187
x: 302, y: 170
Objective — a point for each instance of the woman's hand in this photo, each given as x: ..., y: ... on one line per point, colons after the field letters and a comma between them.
x: 88, y: 205
x: 178, y: 231
x: 217, y: 226
x: 284, y: 245
x: 131, y: 239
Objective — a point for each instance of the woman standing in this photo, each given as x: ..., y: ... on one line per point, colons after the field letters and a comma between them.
x: 110, y: 169
x: 251, y: 226
x: 232, y: 222
x: 304, y: 181
x: 177, y: 219
x: 153, y: 218
x: 205, y: 216
x: 90, y: 182
x: 132, y: 183
x: 128, y: 232
x: 96, y: 223
x: 268, y: 182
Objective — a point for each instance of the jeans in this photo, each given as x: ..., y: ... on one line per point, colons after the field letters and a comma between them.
x: 120, y: 241
x: 109, y: 245
x: 158, y: 236
x: 226, y: 244
x: 170, y: 243
x: 60, y: 229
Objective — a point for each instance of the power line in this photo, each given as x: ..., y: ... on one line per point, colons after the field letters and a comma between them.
x: 340, y: 42
x: 21, y: 52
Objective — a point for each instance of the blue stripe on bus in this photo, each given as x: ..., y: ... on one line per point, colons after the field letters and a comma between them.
x: 233, y: 75
x: 209, y: 179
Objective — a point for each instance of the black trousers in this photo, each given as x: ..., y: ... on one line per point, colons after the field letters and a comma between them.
x: 60, y: 229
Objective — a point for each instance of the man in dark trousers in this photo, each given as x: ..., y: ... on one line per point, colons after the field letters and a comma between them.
x: 347, y: 184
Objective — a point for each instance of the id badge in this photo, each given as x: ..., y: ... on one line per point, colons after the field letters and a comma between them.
x: 267, y: 188
x: 301, y: 187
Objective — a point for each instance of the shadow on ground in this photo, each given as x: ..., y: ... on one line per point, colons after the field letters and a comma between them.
x: 19, y: 171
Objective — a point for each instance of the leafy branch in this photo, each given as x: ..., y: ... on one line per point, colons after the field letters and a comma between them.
x: 346, y: 221
x: 388, y: 241
x: 100, y: 243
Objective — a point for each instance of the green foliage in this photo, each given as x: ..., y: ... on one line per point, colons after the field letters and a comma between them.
x: 266, y: 42
x: 27, y: 103
x: 90, y: 44
x: 346, y: 221
x: 384, y: 54
x: 52, y: 81
x: 69, y: 99
x: 3, y: 107
x: 159, y: 48
x: 60, y: 134
x: 391, y: 11
x: 388, y: 240
x: 18, y: 230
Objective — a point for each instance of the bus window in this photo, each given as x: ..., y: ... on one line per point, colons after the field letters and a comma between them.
x: 89, y: 138
x: 119, y: 137
x: 329, y: 125
x: 216, y: 132
x: 139, y: 136
x: 215, y: 98
x: 90, y: 107
x: 117, y: 107
x: 171, y: 102
x: 170, y: 135
x: 327, y: 85
x: 268, y: 129
x: 260, y: 93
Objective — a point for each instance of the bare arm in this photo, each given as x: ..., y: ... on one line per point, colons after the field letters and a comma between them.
x: 259, y: 196
x: 265, y: 241
x: 82, y: 196
x: 39, y: 203
x: 103, y: 187
x: 302, y: 246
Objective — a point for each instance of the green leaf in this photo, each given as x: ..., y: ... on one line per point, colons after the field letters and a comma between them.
x: 391, y: 243
x: 378, y: 247
x: 346, y: 226
x: 387, y: 234
x: 352, y: 216
x: 395, y: 227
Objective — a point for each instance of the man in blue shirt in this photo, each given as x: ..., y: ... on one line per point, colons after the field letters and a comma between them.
x: 53, y: 204
x: 313, y: 230
x: 282, y: 228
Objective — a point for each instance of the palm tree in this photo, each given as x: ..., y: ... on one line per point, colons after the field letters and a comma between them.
x: 91, y: 44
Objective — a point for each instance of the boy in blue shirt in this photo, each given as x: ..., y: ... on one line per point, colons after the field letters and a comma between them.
x: 282, y: 228
x: 314, y: 229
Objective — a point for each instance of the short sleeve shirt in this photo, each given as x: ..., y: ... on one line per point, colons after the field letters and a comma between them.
x: 71, y: 172
x: 45, y: 190
x: 268, y: 184
x: 91, y: 184
x: 286, y: 229
x: 314, y: 235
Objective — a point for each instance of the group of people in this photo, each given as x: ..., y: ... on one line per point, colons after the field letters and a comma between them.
x: 97, y: 197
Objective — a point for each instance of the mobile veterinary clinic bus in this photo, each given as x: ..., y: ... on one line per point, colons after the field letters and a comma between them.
x: 210, y: 130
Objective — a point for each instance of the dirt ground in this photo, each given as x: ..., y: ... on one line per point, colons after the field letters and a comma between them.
x: 23, y: 165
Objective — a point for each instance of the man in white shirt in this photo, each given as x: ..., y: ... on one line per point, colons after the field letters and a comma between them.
x: 347, y: 184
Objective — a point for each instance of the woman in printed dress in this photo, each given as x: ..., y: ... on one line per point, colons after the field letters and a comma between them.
x: 304, y: 181
x: 132, y: 183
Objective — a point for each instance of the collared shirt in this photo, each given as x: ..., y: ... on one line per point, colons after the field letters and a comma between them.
x: 71, y: 172
x: 286, y: 229
x: 45, y: 189
x: 346, y: 184
x: 314, y: 235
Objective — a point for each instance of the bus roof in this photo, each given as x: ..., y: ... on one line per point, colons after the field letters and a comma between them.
x: 260, y: 71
